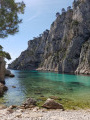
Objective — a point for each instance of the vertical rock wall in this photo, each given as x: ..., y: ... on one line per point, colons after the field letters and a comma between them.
x: 65, y: 47
x: 2, y: 70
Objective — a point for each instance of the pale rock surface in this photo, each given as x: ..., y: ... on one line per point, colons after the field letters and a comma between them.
x: 28, y: 114
x: 65, y: 47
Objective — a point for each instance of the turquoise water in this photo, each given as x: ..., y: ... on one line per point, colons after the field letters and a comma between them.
x: 36, y: 84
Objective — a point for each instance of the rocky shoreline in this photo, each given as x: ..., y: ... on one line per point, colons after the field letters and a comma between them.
x: 43, y: 114
x: 50, y: 110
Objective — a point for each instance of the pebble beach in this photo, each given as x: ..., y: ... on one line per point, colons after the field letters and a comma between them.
x: 43, y: 114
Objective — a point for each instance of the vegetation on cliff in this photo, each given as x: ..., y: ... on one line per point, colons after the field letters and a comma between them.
x: 63, y: 46
x: 5, y: 55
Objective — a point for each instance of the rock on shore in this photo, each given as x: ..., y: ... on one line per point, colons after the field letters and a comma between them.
x: 51, y: 104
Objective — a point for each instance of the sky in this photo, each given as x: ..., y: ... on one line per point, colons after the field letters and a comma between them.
x: 38, y: 16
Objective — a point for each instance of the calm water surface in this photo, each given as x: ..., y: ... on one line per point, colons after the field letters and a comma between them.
x: 35, y: 84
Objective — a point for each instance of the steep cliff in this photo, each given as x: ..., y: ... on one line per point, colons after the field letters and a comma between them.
x: 2, y: 70
x: 65, y: 47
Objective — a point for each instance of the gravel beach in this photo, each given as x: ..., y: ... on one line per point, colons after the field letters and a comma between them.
x: 43, y: 114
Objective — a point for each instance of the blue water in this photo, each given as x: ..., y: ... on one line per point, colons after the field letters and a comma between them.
x: 35, y: 84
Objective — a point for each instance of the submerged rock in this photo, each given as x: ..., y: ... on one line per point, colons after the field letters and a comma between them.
x: 11, y: 75
x: 13, y: 86
x: 38, y: 93
x: 55, y: 98
x: 51, y: 104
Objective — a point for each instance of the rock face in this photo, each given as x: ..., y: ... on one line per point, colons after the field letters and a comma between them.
x: 84, y: 62
x: 2, y: 70
x: 51, y: 104
x: 65, y: 47
x: 7, y: 72
x: 3, y: 88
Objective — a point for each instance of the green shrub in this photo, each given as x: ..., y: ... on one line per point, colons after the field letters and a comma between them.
x: 5, y: 54
x: 75, y: 22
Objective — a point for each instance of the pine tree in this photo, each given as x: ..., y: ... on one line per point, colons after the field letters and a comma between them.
x: 9, y: 19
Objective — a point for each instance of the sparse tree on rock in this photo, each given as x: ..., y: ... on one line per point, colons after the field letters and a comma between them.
x: 57, y: 14
x: 63, y: 10
x: 1, y: 48
x: 40, y: 35
x: 68, y: 8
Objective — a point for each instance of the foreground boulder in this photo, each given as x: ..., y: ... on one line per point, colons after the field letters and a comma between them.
x: 51, y: 104
x: 3, y: 88
x: 29, y: 103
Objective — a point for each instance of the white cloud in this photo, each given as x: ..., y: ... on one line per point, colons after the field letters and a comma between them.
x: 34, y: 16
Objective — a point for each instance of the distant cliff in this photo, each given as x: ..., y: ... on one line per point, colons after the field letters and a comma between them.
x: 65, y: 47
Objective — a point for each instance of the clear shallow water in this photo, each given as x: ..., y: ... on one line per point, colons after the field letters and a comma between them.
x: 36, y: 84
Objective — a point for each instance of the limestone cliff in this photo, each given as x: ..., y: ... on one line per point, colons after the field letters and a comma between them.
x: 2, y: 70
x: 65, y: 47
